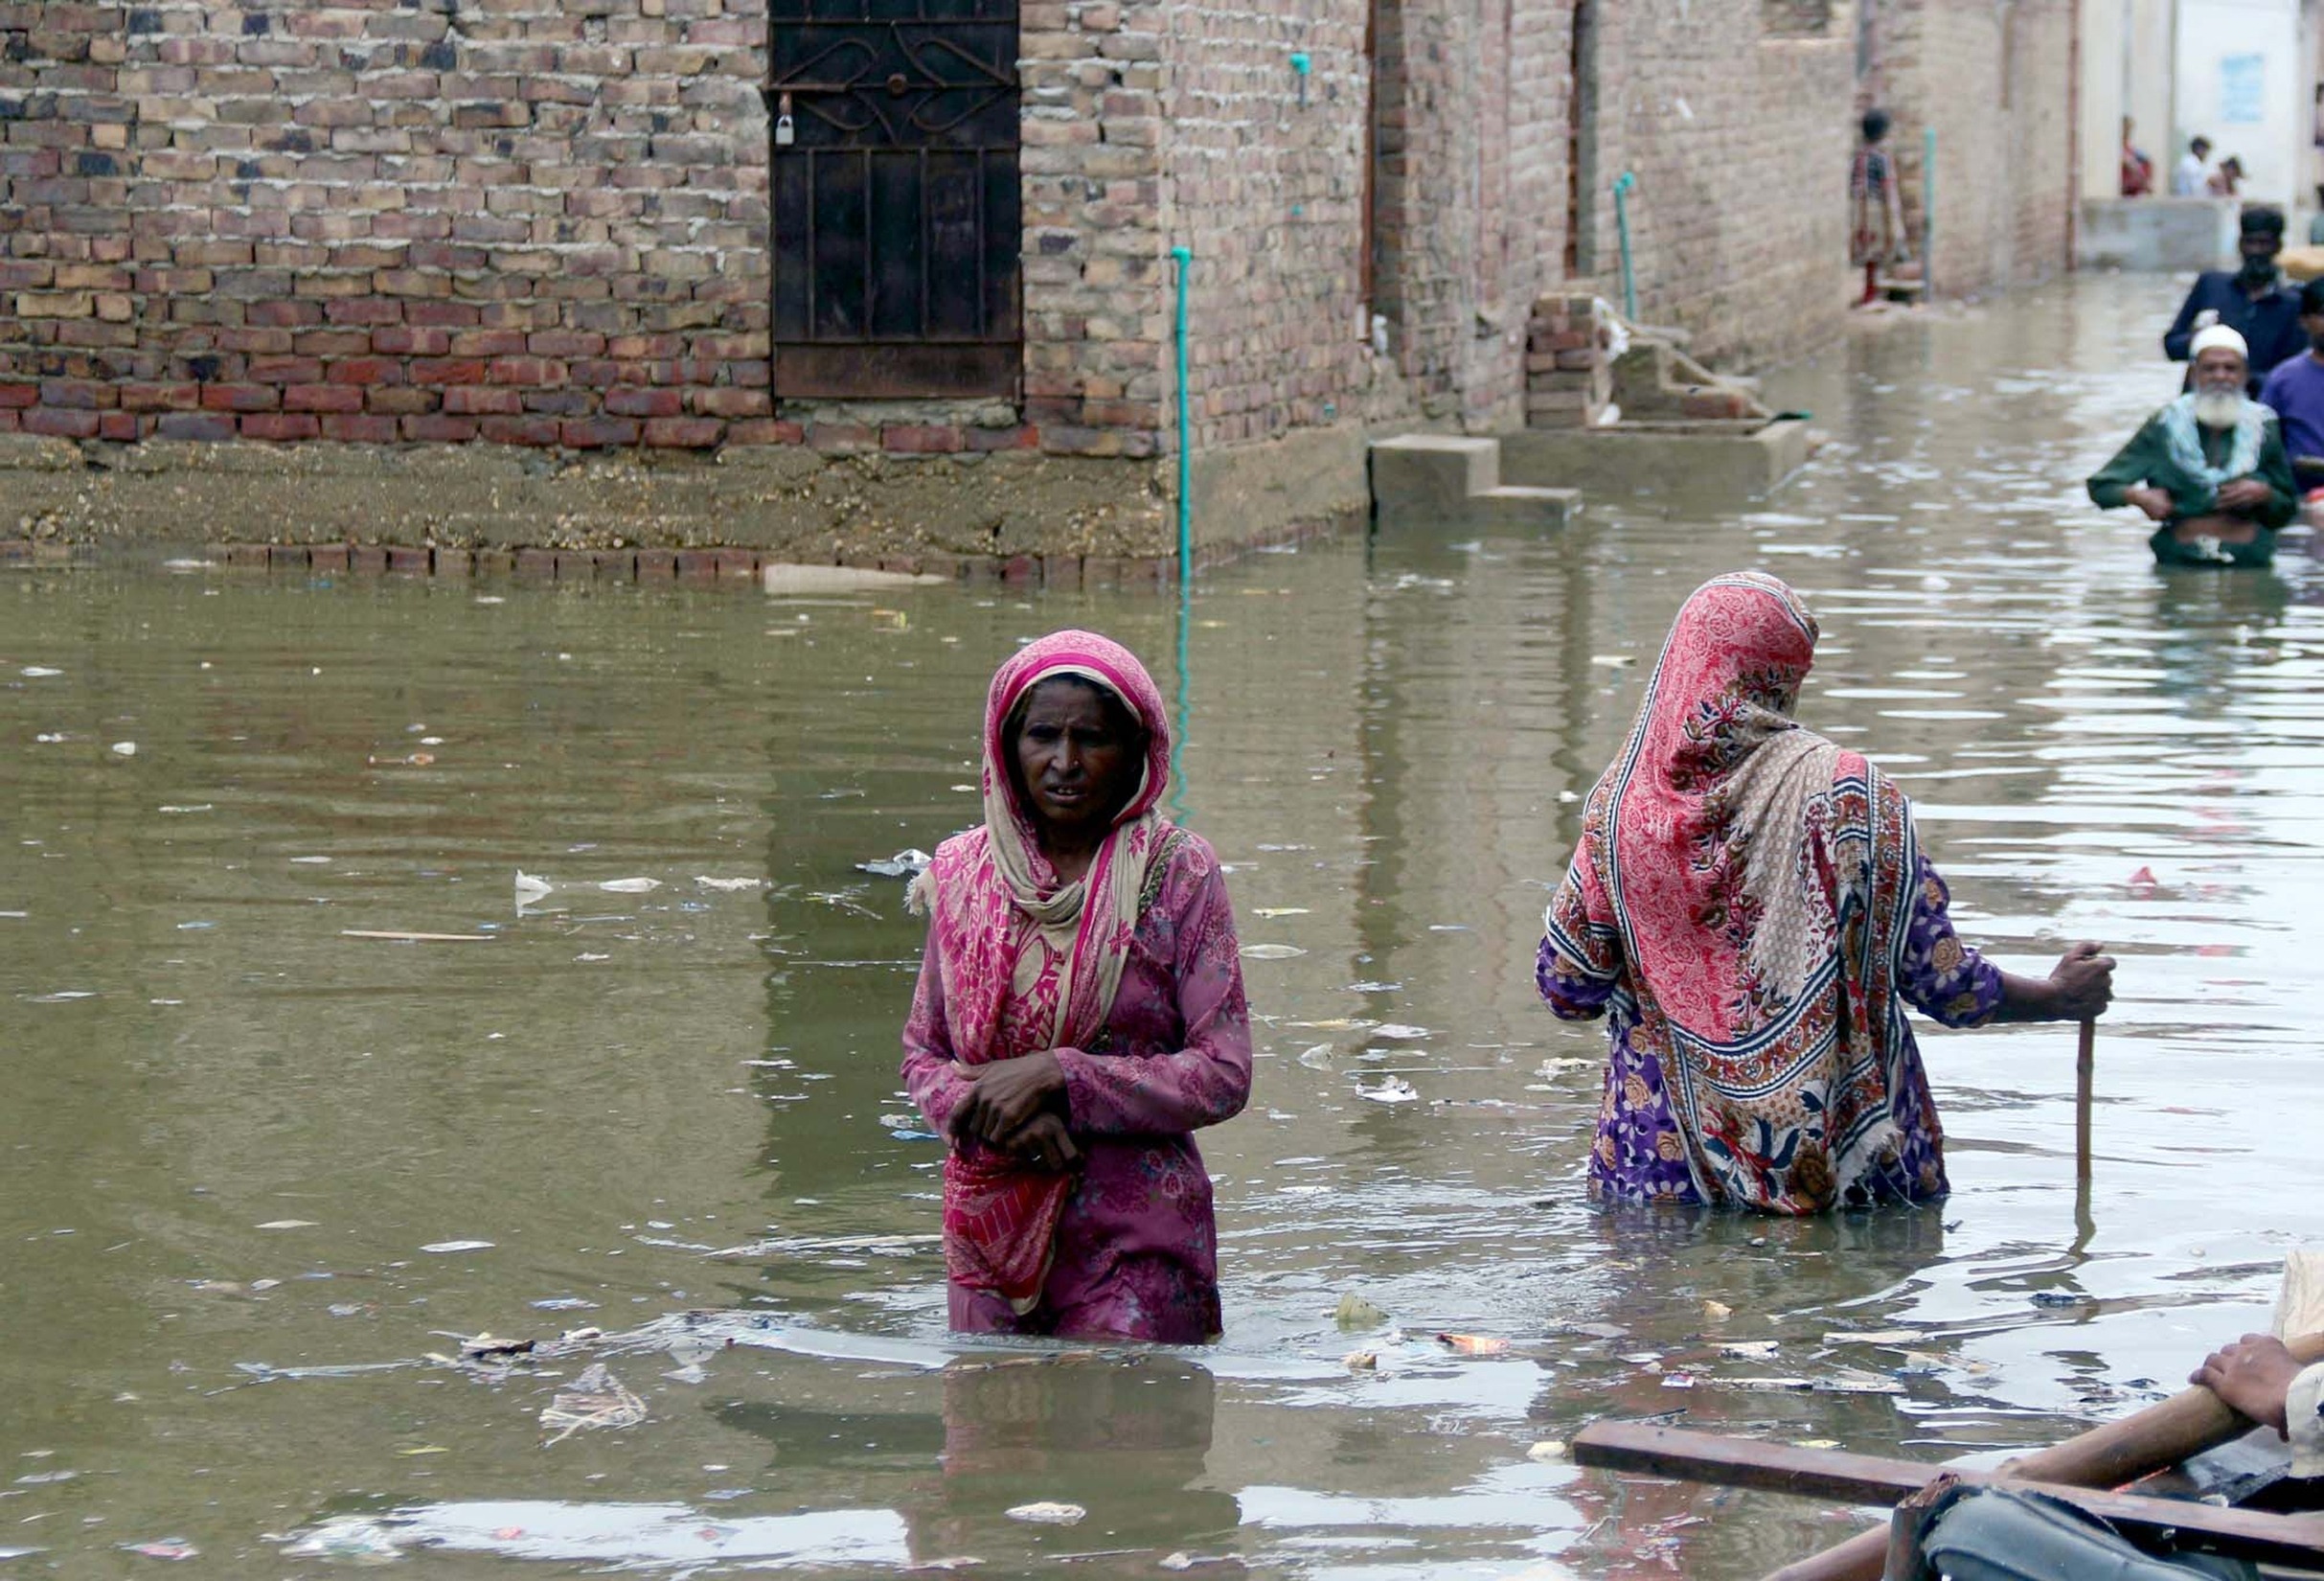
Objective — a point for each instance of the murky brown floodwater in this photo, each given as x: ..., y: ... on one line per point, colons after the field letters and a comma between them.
x: 232, y: 1134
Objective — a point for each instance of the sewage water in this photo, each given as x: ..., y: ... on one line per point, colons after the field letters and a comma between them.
x: 254, y: 1169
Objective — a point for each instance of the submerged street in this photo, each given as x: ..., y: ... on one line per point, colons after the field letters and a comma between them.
x: 254, y: 1170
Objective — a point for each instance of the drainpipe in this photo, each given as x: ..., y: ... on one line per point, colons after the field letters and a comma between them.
x: 1928, y: 214
x: 2073, y: 134
x: 1622, y: 229
x: 1184, y: 258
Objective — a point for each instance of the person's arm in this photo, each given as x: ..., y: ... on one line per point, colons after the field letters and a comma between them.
x: 1208, y: 1080
x: 2182, y: 328
x: 2115, y: 483
x: 931, y: 1075
x: 1955, y: 986
x: 1580, y: 960
x: 2283, y: 489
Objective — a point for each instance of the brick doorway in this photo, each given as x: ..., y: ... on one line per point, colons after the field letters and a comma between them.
x: 897, y: 214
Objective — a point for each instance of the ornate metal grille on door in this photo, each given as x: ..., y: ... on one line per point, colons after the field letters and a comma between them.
x: 896, y: 216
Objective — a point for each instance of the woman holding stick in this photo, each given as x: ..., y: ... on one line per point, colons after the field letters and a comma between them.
x: 1750, y: 906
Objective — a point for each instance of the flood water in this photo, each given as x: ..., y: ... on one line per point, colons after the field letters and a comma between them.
x: 236, y: 1142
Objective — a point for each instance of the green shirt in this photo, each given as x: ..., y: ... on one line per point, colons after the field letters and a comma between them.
x: 2147, y: 460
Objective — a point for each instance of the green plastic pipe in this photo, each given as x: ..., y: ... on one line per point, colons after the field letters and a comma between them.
x: 1622, y: 229
x: 1928, y: 214
x: 1184, y: 258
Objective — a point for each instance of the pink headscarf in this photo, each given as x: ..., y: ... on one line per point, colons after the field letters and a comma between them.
x: 1028, y: 963
x: 1761, y: 881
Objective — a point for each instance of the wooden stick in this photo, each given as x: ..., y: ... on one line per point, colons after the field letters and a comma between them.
x: 1876, y: 1479
x: 2085, y: 1062
x: 2188, y: 1423
x: 416, y: 938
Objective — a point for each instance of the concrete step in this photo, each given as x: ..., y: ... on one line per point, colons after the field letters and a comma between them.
x: 1521, y: 508
x: 1432, y: 476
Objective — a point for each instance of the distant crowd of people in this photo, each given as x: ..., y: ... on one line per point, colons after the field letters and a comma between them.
x: 2193, y: 176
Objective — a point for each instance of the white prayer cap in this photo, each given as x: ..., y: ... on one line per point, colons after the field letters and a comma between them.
x: 2217, y: 335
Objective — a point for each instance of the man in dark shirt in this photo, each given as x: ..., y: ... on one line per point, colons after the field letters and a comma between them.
x: 2251, y: 301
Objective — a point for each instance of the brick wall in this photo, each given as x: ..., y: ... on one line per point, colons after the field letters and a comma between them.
x: 509, y: 220
x: 545, y: 222
x: 1991, y: 78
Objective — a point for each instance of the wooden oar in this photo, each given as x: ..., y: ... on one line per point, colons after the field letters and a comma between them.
x: 2188, y: 1423
x: 2084, y: 1067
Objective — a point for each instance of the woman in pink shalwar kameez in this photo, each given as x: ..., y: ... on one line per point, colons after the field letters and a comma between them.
x: 1080, y: 1014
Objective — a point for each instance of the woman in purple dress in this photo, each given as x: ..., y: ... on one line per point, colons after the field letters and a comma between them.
x: 1750, y: 908
x: 1080, y: 1014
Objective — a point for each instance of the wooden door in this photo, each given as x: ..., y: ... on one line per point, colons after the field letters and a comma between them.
x: 898, y: 221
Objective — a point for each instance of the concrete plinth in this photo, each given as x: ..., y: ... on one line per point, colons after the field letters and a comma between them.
x: 2156, y: 233
x: 1741, y: 462
x: 1453, y: 480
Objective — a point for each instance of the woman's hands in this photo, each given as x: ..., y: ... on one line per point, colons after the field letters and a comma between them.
x: 2081, y: 984
x: 2155, y: 502
x: 2078, y: 989
x: 1014, y: 1106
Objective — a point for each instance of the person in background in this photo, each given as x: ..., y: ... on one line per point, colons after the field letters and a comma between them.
x: 2295, y: 392
x: 2137, y: 169
x: 2189, y: 175
x: 2250, y: 300
x: 2224, y: 181
x: 1080, y: 1016
x: 1750, y: 906
x: 1875, y: 233
x: 2209, y: 469
x: 2315, y: 222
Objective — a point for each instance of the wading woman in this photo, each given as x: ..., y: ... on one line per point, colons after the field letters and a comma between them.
x: 1750, y: 904
x: 1080, y: 1014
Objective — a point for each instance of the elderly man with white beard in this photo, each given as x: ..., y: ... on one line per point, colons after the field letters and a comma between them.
x: 2210, y: 467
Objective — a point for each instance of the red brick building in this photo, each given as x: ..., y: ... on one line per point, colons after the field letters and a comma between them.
x: 922, y: 248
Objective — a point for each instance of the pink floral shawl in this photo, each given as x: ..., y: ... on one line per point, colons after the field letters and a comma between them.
x: 1760, y: 881
x: 1030, y: 964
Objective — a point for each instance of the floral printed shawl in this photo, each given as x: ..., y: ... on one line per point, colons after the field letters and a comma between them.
x: 1028, y: 963
x: 1760, y: 879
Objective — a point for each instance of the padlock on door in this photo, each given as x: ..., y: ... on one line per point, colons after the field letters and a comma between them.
x: 786, y: 130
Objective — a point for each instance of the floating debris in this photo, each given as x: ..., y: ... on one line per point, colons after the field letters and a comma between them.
x: 406, y: 936
x: 1273, y: 911
x: 167, y: 1547
x: 728, y: 886
x: 1717, y: 1311
x: 629, y: 886
x: 1474, y: 1345
x: 458, y: 1246
x: 354, y: 1539
x: 597, y: 1399
x: 1547, y: 1452
x: 288, y: 1224
x: 1392, y: 1089
x: 908, y: 863
x: 1270, y: 951
x: 1749, y: 1350
x: 531, y: 888
x: 1361, y: 1361
x: 1398, y: 1032
x: 125, y: 749
x: 1317, y: 1058
x: 1354, y: 1311
x: 1047, y: 1513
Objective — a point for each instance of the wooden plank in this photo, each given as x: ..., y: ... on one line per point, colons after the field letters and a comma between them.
x: 402, y: 936
x: 1876, y: 1479
x: 2188, y: 1423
